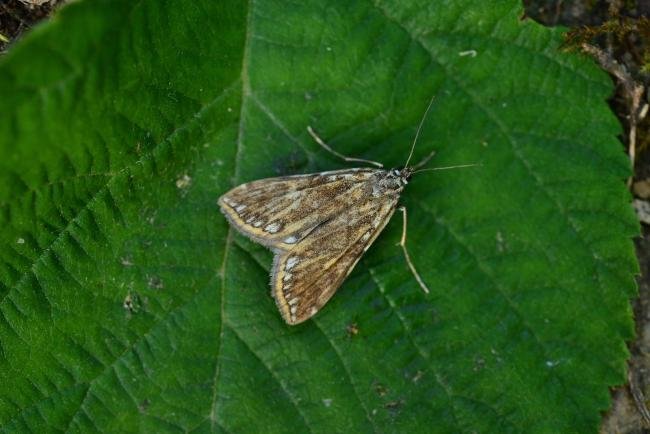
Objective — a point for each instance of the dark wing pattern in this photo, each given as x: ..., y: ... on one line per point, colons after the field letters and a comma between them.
x: 278, y: 212
x: 306, y: 276
x: 318, y: 225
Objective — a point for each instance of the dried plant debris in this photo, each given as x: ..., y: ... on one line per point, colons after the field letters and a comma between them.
x: 641, y: 188
x: 17, y: 16
x: 642, y: 209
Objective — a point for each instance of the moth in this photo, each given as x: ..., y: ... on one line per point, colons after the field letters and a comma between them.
x: 319, y: 225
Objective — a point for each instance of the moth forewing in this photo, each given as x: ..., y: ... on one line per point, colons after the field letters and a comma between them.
x: 318, y: 225
x: 305, y: 277
x: 278, y: 212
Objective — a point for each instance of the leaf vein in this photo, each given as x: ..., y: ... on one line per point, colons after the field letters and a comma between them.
x: 421, y: 352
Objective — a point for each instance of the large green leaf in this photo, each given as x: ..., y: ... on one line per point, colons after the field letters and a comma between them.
x: 128, y: 304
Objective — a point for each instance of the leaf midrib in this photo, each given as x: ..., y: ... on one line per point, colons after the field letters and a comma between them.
x: 153, y: 152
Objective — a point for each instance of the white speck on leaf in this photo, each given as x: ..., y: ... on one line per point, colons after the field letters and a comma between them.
x: 20, y: 241
x: 501, y: 245
x: 132, y: 303
x: 155, y: 282
x: 470, y: 53
x: 183, y: 182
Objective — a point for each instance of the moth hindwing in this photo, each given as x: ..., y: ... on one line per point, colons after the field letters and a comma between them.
x: 318, y: 226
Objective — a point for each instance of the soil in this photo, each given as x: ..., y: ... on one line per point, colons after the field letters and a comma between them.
x: 16, y: 17
x: 629, y: 411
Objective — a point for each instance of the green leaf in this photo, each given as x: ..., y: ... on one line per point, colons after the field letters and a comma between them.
x: 128, y: 304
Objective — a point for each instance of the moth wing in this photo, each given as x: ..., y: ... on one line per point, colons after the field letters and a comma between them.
x: 279, y: 212
x: 306, y: 276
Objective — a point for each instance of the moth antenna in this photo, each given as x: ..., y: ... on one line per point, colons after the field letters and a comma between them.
x: 446, y: 168
x: 417, y: 133
x: 402, y: 244
x: 327, y: 148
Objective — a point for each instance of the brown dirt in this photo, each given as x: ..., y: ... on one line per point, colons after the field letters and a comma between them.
x: 16, y: 17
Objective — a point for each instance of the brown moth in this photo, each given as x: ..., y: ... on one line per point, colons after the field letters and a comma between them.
x: 318, y: 226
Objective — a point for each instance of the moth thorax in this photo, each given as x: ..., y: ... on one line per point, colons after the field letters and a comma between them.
x: 390, y: 182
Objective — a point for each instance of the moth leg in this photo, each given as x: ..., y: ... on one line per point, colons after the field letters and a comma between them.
x: 349, y: 159
x: 402, y: 244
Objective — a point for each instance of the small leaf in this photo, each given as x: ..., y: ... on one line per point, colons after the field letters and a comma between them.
x: 123, y: 122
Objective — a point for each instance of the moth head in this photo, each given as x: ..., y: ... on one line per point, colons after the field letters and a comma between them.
x: 405, y: 174
x: 400, y: 176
